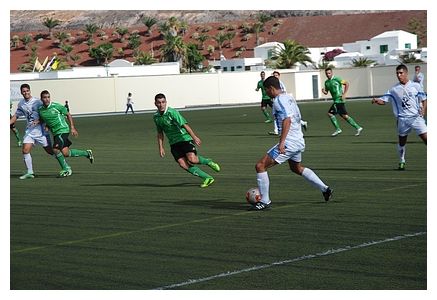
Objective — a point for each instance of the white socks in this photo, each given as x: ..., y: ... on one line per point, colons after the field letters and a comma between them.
x: 312, y: 177
x: 263, y: 186
x: 401, y: 151
x: 28, y: 162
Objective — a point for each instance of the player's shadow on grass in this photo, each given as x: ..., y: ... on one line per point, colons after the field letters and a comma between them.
x: 214, y: 204
x: 141, y: 184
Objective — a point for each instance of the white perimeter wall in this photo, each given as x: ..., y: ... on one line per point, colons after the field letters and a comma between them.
x: 108, y: 94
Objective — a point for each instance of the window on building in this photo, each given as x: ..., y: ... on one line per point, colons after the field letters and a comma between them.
x: 225, y: 69
x: 383, y: 49
x: 247, y: 68
x: 269, y: 53
x: 407, y: 46
x: 367, y: 47
x: 232, y: 69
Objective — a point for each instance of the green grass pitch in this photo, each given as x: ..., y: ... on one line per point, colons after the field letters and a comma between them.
x: 135, y: 221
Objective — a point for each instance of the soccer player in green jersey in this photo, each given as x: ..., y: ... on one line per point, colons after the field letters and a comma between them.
x: 182, y: 140
x: 14, y: 129
x: 334, y: 85
x: 265, y: 99
x: 55, y: 116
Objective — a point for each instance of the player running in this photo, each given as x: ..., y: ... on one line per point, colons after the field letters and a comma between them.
x: 182, y: 140
x: 54, y: 115
x: 334, y: 85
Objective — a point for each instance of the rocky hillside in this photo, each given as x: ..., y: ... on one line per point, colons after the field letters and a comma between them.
x: 31, y: 20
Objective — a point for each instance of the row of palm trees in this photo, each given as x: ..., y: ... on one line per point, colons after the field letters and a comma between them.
x: 175, y: 49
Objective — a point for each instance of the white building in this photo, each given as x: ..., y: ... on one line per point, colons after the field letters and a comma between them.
x: 242, y: 64
x: 266, y: 51
x: 384, y: 48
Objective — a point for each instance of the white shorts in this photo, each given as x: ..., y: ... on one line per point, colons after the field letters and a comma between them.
x: 406, y: 124
x: 295, y: 156
x: 36, y: 137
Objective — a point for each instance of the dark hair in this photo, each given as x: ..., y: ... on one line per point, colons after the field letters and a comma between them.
x: 159, y: 96
x: 262, y: 72
x: 402, y: 67
x: 276, y: 72
x: 45, y: 92
x: 24, y: 85
x: 328, y: 69
x: 272, y: 81
x: 129, y: 94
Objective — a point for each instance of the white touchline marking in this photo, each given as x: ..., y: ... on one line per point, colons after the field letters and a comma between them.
x: 296, y: 259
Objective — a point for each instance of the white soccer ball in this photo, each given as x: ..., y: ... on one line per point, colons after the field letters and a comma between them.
x: 253, y: 196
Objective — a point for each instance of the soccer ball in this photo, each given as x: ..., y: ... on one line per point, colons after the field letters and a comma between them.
x: 253, y: 196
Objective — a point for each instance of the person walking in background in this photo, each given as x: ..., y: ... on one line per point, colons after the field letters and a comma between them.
x: 418, y: 76
x: 334, y: 85
x: 409, y: 108
x: 182, y: 140
x: 34, y: 133
x: 265, y: 99
x: 67, y: 106
x: 55, y: 116
x: 14, y: 129
x: 129, y: 103
x: 290, y: 147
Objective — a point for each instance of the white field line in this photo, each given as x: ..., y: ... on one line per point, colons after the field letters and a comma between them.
x: 292, y: 260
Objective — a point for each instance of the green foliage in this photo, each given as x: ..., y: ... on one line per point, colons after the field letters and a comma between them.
x: 26, y: 40
x: 409, y: 58
x: 291, y: 54
x: 51, y: 23
x: 122, y: 31
x: 193, y: 58
x: 363, y: 62
x: 102, y: 53
x: 149, y: 22
x: 91, y: 29
x: 174, y: 48
x: 144, y: 58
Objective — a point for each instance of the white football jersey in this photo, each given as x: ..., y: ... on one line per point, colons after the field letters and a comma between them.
x: 405, y: 99
x: 29, y: 110
x: 284, y: 106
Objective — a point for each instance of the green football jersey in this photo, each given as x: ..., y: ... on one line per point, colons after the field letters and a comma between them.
x: 54, y: 117
x: 335, y: 87
x: 263, y: 90
x: 170, y: 122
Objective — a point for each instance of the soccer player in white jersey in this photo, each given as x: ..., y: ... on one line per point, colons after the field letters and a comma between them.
x: 35, y: 133
x: 290, y: 147
x: 409, y: 107
x: 303, y: 123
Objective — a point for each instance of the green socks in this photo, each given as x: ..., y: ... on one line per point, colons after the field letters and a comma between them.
x: 61, y: 160
x: 266, y: 114
x: 198, y: 172
x: 335, y: 122
x: 77, y: 153
x: 353, y: 123
x: 203, y: 160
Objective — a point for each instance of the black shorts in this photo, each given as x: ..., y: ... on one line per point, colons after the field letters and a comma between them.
x: 180, y: 149
x: 266, y: 102
x: 338, y: 108
x: 61, y: 141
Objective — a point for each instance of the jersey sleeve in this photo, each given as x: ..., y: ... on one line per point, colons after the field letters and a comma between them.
x: 178, y: 118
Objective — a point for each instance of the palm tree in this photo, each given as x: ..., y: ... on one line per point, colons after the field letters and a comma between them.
x: 202, y: 39
x: 91, y: 29
x: 149, y: 22
x: 134, y: 42
x: 26, y: 39
x: 61, y: 36
x: 220, y: 38
x: 257, y: 28
x: 362, y: 62
x: 102, y: 52
x: 75, y: 58
x: 229, y: 37
x: 409, y: 59
x: 144, y: 58
x: 174, y: 48
x: 291, y: 54
x: 121, y: 31
x: 50, y: 24
x: 67, y: 50
x: 263, y: 18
